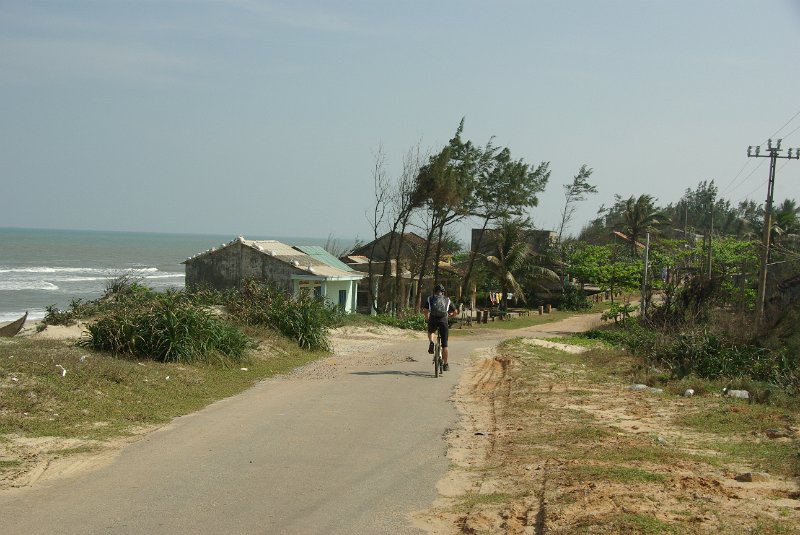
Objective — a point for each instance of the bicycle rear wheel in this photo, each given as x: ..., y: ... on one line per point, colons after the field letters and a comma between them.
x: 437, y: 359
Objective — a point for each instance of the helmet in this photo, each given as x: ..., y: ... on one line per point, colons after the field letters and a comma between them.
x: 438, y: 289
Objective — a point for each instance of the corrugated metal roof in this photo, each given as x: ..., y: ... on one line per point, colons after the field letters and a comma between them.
x: 322, y: 255
x: 300, y: 260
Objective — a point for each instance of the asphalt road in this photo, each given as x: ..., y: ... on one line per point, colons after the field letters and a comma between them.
x: 351, y: 454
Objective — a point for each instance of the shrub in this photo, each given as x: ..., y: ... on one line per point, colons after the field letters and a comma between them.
x: 305, y: 319
x: 168, y: 328
x: 574, y: 298
x: 707, y: 354
x: 406, y: 320
x: 618, y: 312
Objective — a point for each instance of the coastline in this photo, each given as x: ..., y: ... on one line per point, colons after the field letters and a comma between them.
x: 52, y: 267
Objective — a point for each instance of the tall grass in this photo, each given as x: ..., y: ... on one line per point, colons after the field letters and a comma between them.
x: 166, y: 327
x: 305, y: 319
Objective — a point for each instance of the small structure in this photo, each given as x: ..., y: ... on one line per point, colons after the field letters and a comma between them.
x: 294, y: 269
x: 384, y: 258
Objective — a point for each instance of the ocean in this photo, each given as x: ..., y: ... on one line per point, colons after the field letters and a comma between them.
x: 40, y: 268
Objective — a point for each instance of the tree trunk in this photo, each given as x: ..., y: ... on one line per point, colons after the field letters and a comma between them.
x: 424, y: 267
x: 387, y: 273
x: 473, y: 254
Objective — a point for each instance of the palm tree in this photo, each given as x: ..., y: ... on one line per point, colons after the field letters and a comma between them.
x: 512, y: 257
x: 639, y: 216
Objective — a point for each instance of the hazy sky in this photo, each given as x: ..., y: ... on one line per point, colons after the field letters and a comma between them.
x: 262, y: 118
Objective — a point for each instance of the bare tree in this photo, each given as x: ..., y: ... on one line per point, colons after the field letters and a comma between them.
x: 404, y: 202
x: 377, y: 216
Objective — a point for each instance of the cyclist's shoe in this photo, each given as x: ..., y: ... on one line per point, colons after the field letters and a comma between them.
x: 445, y: 367
x: 430, y: 348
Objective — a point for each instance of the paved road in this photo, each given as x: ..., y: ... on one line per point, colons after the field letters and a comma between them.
x: 352, y: 454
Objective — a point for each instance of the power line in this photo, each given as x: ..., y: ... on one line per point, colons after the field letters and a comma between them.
x: 730, y: 186
x: 754, y: 190
x: 792, y: 132
x: 725, y: 189
x: 741, y: 183
x: 784, y: 126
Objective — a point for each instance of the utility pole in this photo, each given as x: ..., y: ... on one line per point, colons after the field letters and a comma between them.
x: 774, y: 154
x: 710, y: 237
x: 644, y: 277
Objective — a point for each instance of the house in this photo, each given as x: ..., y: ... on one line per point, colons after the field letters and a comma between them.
x: 293, y: 269
x: 380, y: 258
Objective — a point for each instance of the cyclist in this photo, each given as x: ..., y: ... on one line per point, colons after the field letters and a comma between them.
x: 437, y: 308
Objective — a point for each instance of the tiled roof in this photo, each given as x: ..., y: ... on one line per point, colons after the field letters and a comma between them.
x: 299, y: 259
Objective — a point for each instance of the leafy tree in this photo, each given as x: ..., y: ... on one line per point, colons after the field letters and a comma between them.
x: 604, y: 266
x: 445, y: 186
x: 505, y: 187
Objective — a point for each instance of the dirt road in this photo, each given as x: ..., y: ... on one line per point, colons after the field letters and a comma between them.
x: 344, y: 446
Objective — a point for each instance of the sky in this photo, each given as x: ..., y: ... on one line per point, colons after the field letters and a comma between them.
x: 263, y: 117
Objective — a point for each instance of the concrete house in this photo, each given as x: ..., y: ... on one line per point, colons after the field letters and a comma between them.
x: 292, y: 268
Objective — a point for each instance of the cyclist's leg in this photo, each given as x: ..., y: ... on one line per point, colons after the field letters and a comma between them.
x: 431, y: 330
x: 444, y: 331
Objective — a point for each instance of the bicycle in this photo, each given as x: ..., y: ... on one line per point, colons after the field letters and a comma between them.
x: 438, y: 363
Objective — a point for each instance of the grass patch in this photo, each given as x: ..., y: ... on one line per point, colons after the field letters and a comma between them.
x: 103, y: 396
x: 725, y: 417
x: 641, y: 524
x: 580, y: 340
x: 776, y: 458
x: 623, y: 474
x: 769, y: 526
x: 77, y: 450
x: 5, y: 464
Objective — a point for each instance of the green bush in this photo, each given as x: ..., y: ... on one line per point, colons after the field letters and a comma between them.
x: 574, y: 298
x: 168, y: 328
x: 406, y: 320
x: 618, y: 312
x: 305, y: 319
x: 701, y: 352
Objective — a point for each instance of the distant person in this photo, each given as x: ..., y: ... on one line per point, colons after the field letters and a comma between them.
x: 437, y: 308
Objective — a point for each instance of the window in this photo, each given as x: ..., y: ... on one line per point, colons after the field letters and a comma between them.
x: 343, y: 298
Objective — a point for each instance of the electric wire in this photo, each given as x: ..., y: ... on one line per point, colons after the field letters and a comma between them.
x: 784, y: 126
x: 731, y: 186
x: 744, y: 180
x: 790, y: 133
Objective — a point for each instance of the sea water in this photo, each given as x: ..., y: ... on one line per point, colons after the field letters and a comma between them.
x: 40, y: 268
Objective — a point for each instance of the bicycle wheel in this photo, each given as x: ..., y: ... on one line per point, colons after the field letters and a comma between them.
x: 437, y: 359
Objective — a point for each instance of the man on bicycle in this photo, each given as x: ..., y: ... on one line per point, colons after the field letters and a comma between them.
x: 437, y: 308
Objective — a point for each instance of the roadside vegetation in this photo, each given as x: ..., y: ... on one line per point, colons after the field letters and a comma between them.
x: 55, y: 388
x: 570, y: 449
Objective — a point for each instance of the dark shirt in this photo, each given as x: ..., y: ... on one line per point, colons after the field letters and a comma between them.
x: 427, y: 306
